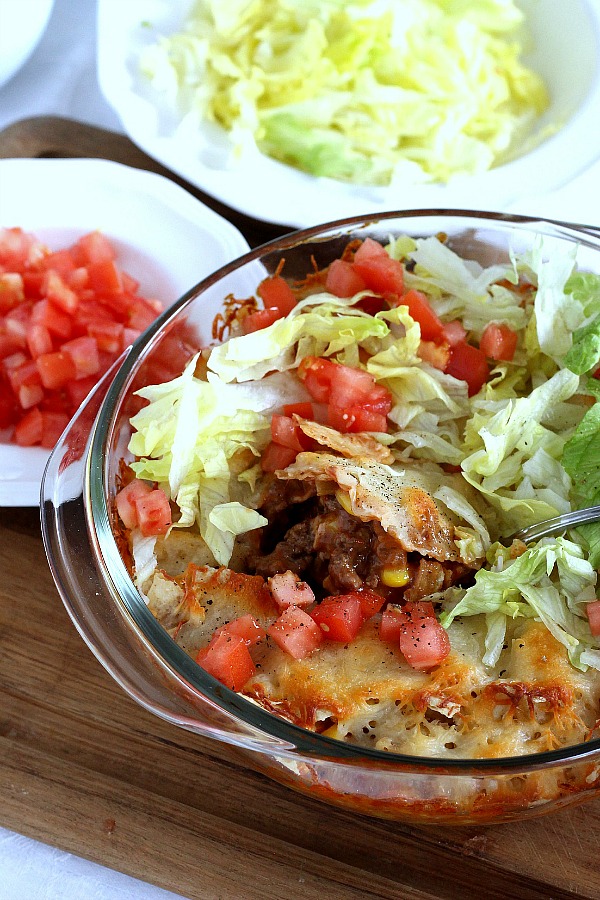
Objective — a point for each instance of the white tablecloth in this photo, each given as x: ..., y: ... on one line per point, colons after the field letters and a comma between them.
x: 60, y: 79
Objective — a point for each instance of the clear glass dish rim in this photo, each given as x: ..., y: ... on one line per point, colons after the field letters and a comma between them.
x: 157, y: 639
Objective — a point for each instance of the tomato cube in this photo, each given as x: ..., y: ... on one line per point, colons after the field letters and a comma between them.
x: 93, y: 248
x: 29, y: 429
x: 593, y: 613
x: 421, y: 311
x: 59, y: 293
x: 303, y: 409
x: 12, y: 290
x: 276, y: 292
x: 126, y: 501
x: 286, y: 433
x: 227, y: 659
x: 84, y: 353
x: 154, y: 513
x: 276, y: 457
x: 30, y: 395
x: 260, y: 319
x: 423, y: 641
x: 296, y: 633
x: 39, y: 340
x: 468, y: 363
x: 498, y: 341
x: 391, y: 620
x: 343, y: 280
x: 105, y: 277
x: 56, y: 369
x: 340, y: 618
x: 53, y: 425
x: 58, y: 322
x: 245, y: 627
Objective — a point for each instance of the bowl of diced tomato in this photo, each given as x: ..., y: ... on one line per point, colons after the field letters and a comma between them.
x: 120, y: 477
x: 84, y: 269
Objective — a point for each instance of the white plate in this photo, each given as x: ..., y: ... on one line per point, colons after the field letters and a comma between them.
x: 164, y: 237
x: 566, y: 54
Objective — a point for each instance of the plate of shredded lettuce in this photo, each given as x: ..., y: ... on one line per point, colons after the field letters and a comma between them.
x: 303, y: 111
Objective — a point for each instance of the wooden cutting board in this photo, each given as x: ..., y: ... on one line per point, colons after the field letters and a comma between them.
x: 82, y: 767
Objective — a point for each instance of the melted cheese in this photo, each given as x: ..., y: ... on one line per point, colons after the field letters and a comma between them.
x: 365, y: 692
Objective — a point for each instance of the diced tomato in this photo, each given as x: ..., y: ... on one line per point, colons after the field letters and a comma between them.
x: 39, y: 340
x: 227, y: 659
x: 59, y: 293
x: 94, y: 248
x: 29, y: 429
x: 32, y: 284
x: 349, y: 386
x: 276, y: 457
x: 421, y: 311
x: 78, y: 390
x: 260, y: 319
x: 356, y: 419
x: 276, y: 292
x: 379, y: 271
x: 423, y: 641
x: 340, y: 618
x: 468, y: 363
x: 370, y: 249
x: 245, y: 627
x: 498, y: 342
x: 304, y: 410
x: 370, y: 602
x: 61, y: 261
x: 12, y: 291
x: 17, y: 248
x: 391, y: 620
x: 154, y: 513
x: 593, y: 613
x: 454, y: 332
x: 317, y: 374
x: 108, y: 335
x: 284, y: 432
x: 8, y: 345
x: 126, y: 501
x: 105, y: 277
x: 30, y: 395
x: 56, y: 369
x: 54, y: 319
x: 78, y: 279
x: 288, y: 590
x: 53, y: 425
x: 296, y: 632
x: 84, y: 353
x: 142, y: 314
x: 343, y: 280
x: 25, y: 374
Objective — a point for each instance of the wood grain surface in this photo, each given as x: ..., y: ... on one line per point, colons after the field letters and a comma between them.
x: 84, y: 768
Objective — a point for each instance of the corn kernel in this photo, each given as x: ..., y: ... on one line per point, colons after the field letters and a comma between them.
x: 395, y: 577
x: 344, y: 500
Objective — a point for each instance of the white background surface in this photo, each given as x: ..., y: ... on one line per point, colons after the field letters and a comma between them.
x: 59, y: 78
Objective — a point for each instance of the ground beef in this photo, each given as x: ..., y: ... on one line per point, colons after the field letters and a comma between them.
x: 336, y: 552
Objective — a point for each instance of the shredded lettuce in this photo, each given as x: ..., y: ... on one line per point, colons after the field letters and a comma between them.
x: 186, y: 438
x: 323, y: 325
x: 551, y: 581
x: 372, y: 91
x: 581, y: 460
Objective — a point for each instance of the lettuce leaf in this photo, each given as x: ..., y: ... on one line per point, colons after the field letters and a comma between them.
x: 581, y: 460
x: 551, y: 581
x: 322, y: 325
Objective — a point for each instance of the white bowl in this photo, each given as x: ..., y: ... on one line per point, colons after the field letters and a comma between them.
x: 566, y: 52
x: 22, y: 25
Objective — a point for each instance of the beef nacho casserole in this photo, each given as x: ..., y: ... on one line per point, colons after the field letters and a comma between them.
x: 319, y: 509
